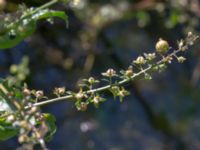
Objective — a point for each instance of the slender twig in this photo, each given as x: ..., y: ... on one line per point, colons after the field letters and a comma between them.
x: 46, y: 5
x: 106, y: 87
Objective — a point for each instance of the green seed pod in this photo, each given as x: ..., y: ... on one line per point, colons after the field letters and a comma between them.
x: 91, y: 80
x: 13, y: 69
x: 162, y: 46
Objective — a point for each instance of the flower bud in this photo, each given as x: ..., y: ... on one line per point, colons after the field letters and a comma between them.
x: 26, y: 92
x: 167, y: 59
x: 38, y: 135
x: 39, y: 94
x: 140, y: 60
x: 150, y: 56
x: 123, y: 93
x: 59, y: 91
x: 189, y: 34
x: 162, y: 46
x: 91, y: 80
x: 129, y: 72
x: 11, y: 118
x: 82, y: 107
x: 96, y: 99
x: 79, y: 95
x: 13, y: 69
x: 23, y: 138
x: 25, y: 125
x: 109, y: 73
x: 33, y: 109
x: 181, y: 59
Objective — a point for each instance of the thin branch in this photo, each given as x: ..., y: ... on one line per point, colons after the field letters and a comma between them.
x: 46, y: 5
x: 106, y: 87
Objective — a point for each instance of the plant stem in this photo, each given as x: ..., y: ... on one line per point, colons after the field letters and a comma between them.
x: 106, y: 87
x: 46, y: 5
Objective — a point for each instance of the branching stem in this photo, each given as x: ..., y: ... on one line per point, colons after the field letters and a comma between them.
x: 106, y: 87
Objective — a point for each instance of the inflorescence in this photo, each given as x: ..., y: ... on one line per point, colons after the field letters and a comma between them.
x: 24, y: 112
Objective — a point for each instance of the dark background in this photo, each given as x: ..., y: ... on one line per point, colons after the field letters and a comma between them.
x: 161, y: 114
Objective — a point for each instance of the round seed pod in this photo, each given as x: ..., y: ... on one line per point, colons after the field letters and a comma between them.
x: 162, y: 46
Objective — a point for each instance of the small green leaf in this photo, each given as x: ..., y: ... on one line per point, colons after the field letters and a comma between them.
x: 4, y: 106
x: 50, y: 120
x: 162, y: 67
x: 115, y: 91
x: 26, y: 27
x: 6, y: 103
x: 7, y: 130
x: 147, y: 76
x: 8, y: 40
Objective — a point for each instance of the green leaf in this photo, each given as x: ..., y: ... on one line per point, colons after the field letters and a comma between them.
x: 7, y: 130
x: 17, y: 34
x: 115, y: 91
x: 147, y: 76
x: 50, y: 120
x: 173, y: 19
x: 6, y: 102
x: 143, y: 18
x: 162, y: 67
x: 24, y: 28
x: 45, y: 14
x: 4, y: 106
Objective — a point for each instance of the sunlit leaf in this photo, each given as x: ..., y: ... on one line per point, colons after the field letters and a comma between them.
x: 20, y: 32
x: 26, y: 27
x: 5, y: 104
x: 44, y: 14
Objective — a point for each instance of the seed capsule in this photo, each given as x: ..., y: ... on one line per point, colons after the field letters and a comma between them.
x: 129, y: 72
x: 23, y: 138
x: 91, y: 80
x: 82, y: 107
x: 181, y: 59
x: 162, y: 46
x: 11, y: 118
x: 39, y: 94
